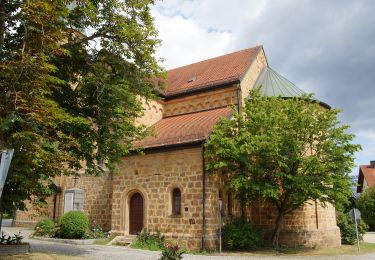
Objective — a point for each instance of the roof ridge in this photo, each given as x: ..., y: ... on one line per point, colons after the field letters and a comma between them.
x: 217, y: 57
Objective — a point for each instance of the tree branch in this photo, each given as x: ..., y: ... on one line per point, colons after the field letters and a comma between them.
x: 90, y: 38
x: 2, y: 24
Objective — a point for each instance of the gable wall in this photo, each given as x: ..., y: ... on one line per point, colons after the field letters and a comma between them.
x: 153, y: 112
x: 252, y: 74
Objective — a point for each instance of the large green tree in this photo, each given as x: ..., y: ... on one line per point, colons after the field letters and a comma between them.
x: 71, y: 77
x: 366, y: 204
x: 283, y: 152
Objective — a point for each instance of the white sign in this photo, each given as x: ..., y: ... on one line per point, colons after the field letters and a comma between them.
x: 6, y: 158
x: 68, y: 202
x: 355, y: 214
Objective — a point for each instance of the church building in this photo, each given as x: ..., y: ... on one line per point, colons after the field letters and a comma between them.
x: 166, y: 187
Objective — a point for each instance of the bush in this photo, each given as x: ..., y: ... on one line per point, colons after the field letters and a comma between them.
x: 347, y: 229
x: 73, y: 225
x: 96, y: 232
x: 147, y: 240
x: 171, y: 252
x: 45, y: 227
x: 239, y: 234
x: 366, y: 204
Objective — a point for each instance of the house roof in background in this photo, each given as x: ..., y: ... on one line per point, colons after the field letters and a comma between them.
x: 366, y: 173
x: 183, y: 129
x: 216, y: 71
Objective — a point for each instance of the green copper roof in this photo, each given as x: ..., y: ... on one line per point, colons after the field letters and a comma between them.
x: 270, y: 83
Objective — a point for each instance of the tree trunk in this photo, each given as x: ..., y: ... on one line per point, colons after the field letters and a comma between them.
x: 2, y: 24
x: 276, y: 232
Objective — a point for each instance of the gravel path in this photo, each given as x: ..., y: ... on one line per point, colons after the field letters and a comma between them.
x: 97, y: 252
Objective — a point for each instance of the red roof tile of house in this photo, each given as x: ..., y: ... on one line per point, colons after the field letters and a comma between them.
x: 183, y: 129
x: 368, y: 174
x: 212, y: 72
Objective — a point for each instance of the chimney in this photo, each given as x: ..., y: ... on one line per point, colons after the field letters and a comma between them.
x: 372, y: 164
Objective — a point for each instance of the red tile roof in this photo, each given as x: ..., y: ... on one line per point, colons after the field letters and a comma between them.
x: 368, y: 174
x: 184, y: 129
x: 212, y: 72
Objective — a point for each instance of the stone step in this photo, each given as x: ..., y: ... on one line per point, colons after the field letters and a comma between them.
x: 123, y: 240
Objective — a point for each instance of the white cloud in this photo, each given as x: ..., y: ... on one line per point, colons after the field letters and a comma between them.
x: 322, y: 46
x: 184, y: 41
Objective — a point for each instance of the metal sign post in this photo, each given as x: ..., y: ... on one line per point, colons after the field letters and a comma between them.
x: 355, y: 214
x: 6, y: 158
x: 220, y: 219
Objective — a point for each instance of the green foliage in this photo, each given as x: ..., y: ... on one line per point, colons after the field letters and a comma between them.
x: 283, y: 152
x: 239, y: 234
x: 45, y: 227
x: 366, y: 204
x: 10, y: 240
x: 73, y: 225
x: 147, y: 240
x: 347, y: 228
x: 171, y: 252
x: 67, y: 97
x: 95, y: 233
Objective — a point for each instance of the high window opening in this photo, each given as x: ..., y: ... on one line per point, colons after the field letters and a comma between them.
x: 176, y: 202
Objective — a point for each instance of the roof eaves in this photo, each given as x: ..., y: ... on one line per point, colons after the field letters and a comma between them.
x: 203, y: 88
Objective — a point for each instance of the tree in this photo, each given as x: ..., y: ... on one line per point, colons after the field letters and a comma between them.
x: 366, y: 204
x: 71, y: 77
x: 284, y: 152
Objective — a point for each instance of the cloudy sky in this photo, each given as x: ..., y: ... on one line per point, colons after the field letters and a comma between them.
x: 323, y: 46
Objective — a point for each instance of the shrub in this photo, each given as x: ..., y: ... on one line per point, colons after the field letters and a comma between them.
x: 347, y: 229
x: 73, y: 224
x: 96, y: 232
x: 147, y: 240
x: 170, y: 252
x: 45, y: 227
x: 366, y: 204
x: 239, y: 234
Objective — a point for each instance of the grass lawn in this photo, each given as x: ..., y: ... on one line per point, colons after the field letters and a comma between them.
x: 104, y: 241
x: 343, y: 250
x: 41, y: 256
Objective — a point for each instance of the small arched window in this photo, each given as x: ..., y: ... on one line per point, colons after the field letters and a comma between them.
x: 176, y: 202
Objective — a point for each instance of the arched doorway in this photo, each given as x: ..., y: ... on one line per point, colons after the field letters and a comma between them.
x: 135, y: 214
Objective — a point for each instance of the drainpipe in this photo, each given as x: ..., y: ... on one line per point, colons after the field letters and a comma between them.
x: 203, y: 200
x: 238, y: 96
x: 57, y: 191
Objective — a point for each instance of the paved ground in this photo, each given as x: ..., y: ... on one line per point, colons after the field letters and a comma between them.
x: 97, y: 252
x: 369, y: 237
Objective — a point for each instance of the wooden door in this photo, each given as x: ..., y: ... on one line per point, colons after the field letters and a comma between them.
x: 135, y: 214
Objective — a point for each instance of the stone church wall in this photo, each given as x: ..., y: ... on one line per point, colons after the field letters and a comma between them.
x: 202, y: 101
x: 97, y: 201
x: 311, y: 225
x: 155, y: 175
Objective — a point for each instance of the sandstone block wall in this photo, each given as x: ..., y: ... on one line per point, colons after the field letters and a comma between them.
x: 155, y: 175
x: 311, y: 225
x: 202, y: 101
x: 252, y: 74
x: 153, y: 112
x: 97, y: 201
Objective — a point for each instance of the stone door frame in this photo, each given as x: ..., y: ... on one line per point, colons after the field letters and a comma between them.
x: 125, y: 208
